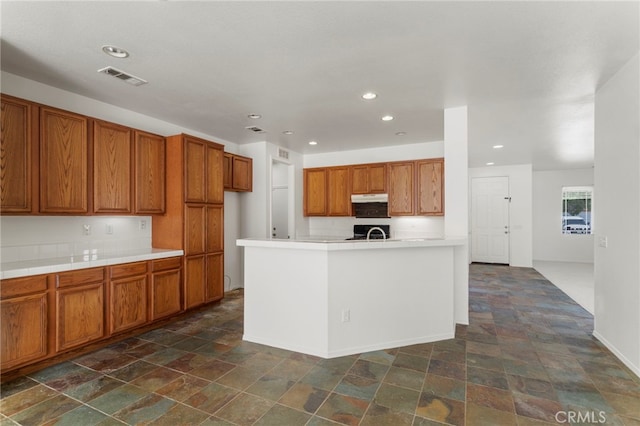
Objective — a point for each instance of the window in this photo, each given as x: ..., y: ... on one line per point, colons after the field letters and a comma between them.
x: 576, y: 209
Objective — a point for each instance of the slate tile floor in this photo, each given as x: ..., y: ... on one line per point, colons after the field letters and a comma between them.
x: 526, y: 355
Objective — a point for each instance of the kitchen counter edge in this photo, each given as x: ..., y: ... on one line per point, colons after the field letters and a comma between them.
x: 335, y: 245
x: 47, y: 266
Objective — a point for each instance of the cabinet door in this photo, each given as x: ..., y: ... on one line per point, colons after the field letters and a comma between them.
x: 228, y: 171
x: 215, y: 229
x: 242, y: 174
x: 359, y: 179
x: 80, y: 315
x: 23, y: 335
x: 195, y: 154
x: 17, y: 140
x: 150, y: 173
x: 377, y: 178
x: 215, y: 277
x: 194, y: 281
x: 401, y: 189
x: 315, y: 192
x: 195, y: 229
x: 165, y: 293
x: 128, y: 303
x: 430, y: 187
x: 215, y: 174
x: 63, y: 162
x: 112, y: 177
x: 339, y: 191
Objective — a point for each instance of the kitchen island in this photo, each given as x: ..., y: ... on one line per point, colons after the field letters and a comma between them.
x: 331, y: 298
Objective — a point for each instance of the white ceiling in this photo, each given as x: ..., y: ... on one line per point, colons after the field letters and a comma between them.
x: 528, y: 71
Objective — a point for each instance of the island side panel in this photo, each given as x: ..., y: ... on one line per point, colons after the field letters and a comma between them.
x: 285, y: 302
x: 395, y: 297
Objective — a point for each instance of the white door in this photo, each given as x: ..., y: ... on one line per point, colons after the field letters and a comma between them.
x: 490, y: 220
x: 281, y: 199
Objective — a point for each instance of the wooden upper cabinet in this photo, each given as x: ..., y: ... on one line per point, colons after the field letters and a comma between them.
x: 18, y: 155
x: 401, y: 188
x: 112, y: 168
x: 64, y: 160
x: 195, y: 169
x: 369, y: 178
x: 315, y: 192
x: 238, y: 173
x: 430, y: 187
x: 150, y: 173
x: 228, y: 171
x: 215, y: 171
x: 339, y: 191
x: 203, y: 168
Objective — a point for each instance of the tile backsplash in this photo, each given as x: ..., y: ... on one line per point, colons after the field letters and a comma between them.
x: 44, y: 237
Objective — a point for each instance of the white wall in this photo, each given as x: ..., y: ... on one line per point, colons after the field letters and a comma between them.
x: 456, y: 219
x: 549, y: 243
x: 617, y: 188
x: 520, y: 209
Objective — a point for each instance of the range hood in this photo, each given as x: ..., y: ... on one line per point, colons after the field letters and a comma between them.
x: 370, y: 205
x: 370, y: 198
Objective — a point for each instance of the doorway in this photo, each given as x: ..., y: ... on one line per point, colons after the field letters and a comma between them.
x: 282, y: 217
x: 490, y: 233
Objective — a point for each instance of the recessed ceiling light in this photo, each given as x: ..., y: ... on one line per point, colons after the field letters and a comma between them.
x: 498, y: 146
x: 401, y: 133
x: 288, y: 132
x: 254, y: 116
x: 490, y: 163
x: 369, y: 96
x: 387, y: 118
x: 313, y: 143
x: 116, y: 52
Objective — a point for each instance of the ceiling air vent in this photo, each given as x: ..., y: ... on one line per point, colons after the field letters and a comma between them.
x: 127, y: 78
x: 255, y: 129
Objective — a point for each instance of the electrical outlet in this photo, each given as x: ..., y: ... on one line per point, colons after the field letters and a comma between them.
x: 109, y: 229
x: 602, y: 242
x: 143, y: 224
x: 86, y: 229
x: 346, y: 315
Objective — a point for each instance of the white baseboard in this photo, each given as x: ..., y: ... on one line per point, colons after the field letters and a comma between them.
x: 634, y: 368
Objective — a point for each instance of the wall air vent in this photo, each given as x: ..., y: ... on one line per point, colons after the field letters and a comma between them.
x: 283, y: 154
x: 255, y: 129
x: 127, y: 78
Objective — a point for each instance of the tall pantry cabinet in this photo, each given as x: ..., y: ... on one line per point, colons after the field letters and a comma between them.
x: 194, y: 221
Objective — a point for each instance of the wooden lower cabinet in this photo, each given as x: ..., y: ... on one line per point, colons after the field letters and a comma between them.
x: 23, y: 320
x: 194, y: 280
x: 215, y: 277
x: 166, y: 279
x: 80, y: 315
x: 48, y: 315
x: 128, y: 291
x: 203, y: 279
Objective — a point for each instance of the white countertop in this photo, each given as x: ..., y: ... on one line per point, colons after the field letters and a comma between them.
x: 92, y: 259
x: 342, y: 244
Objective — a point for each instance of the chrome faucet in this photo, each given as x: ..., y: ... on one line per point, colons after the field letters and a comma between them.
x: 376, y: 228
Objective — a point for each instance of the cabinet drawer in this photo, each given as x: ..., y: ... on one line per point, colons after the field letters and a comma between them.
x: 21, y: 286
x: 166, y: 264
x: 81, y: 276
x: 128, y: 269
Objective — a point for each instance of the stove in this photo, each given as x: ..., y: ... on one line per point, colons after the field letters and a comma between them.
x: 360, y: 232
